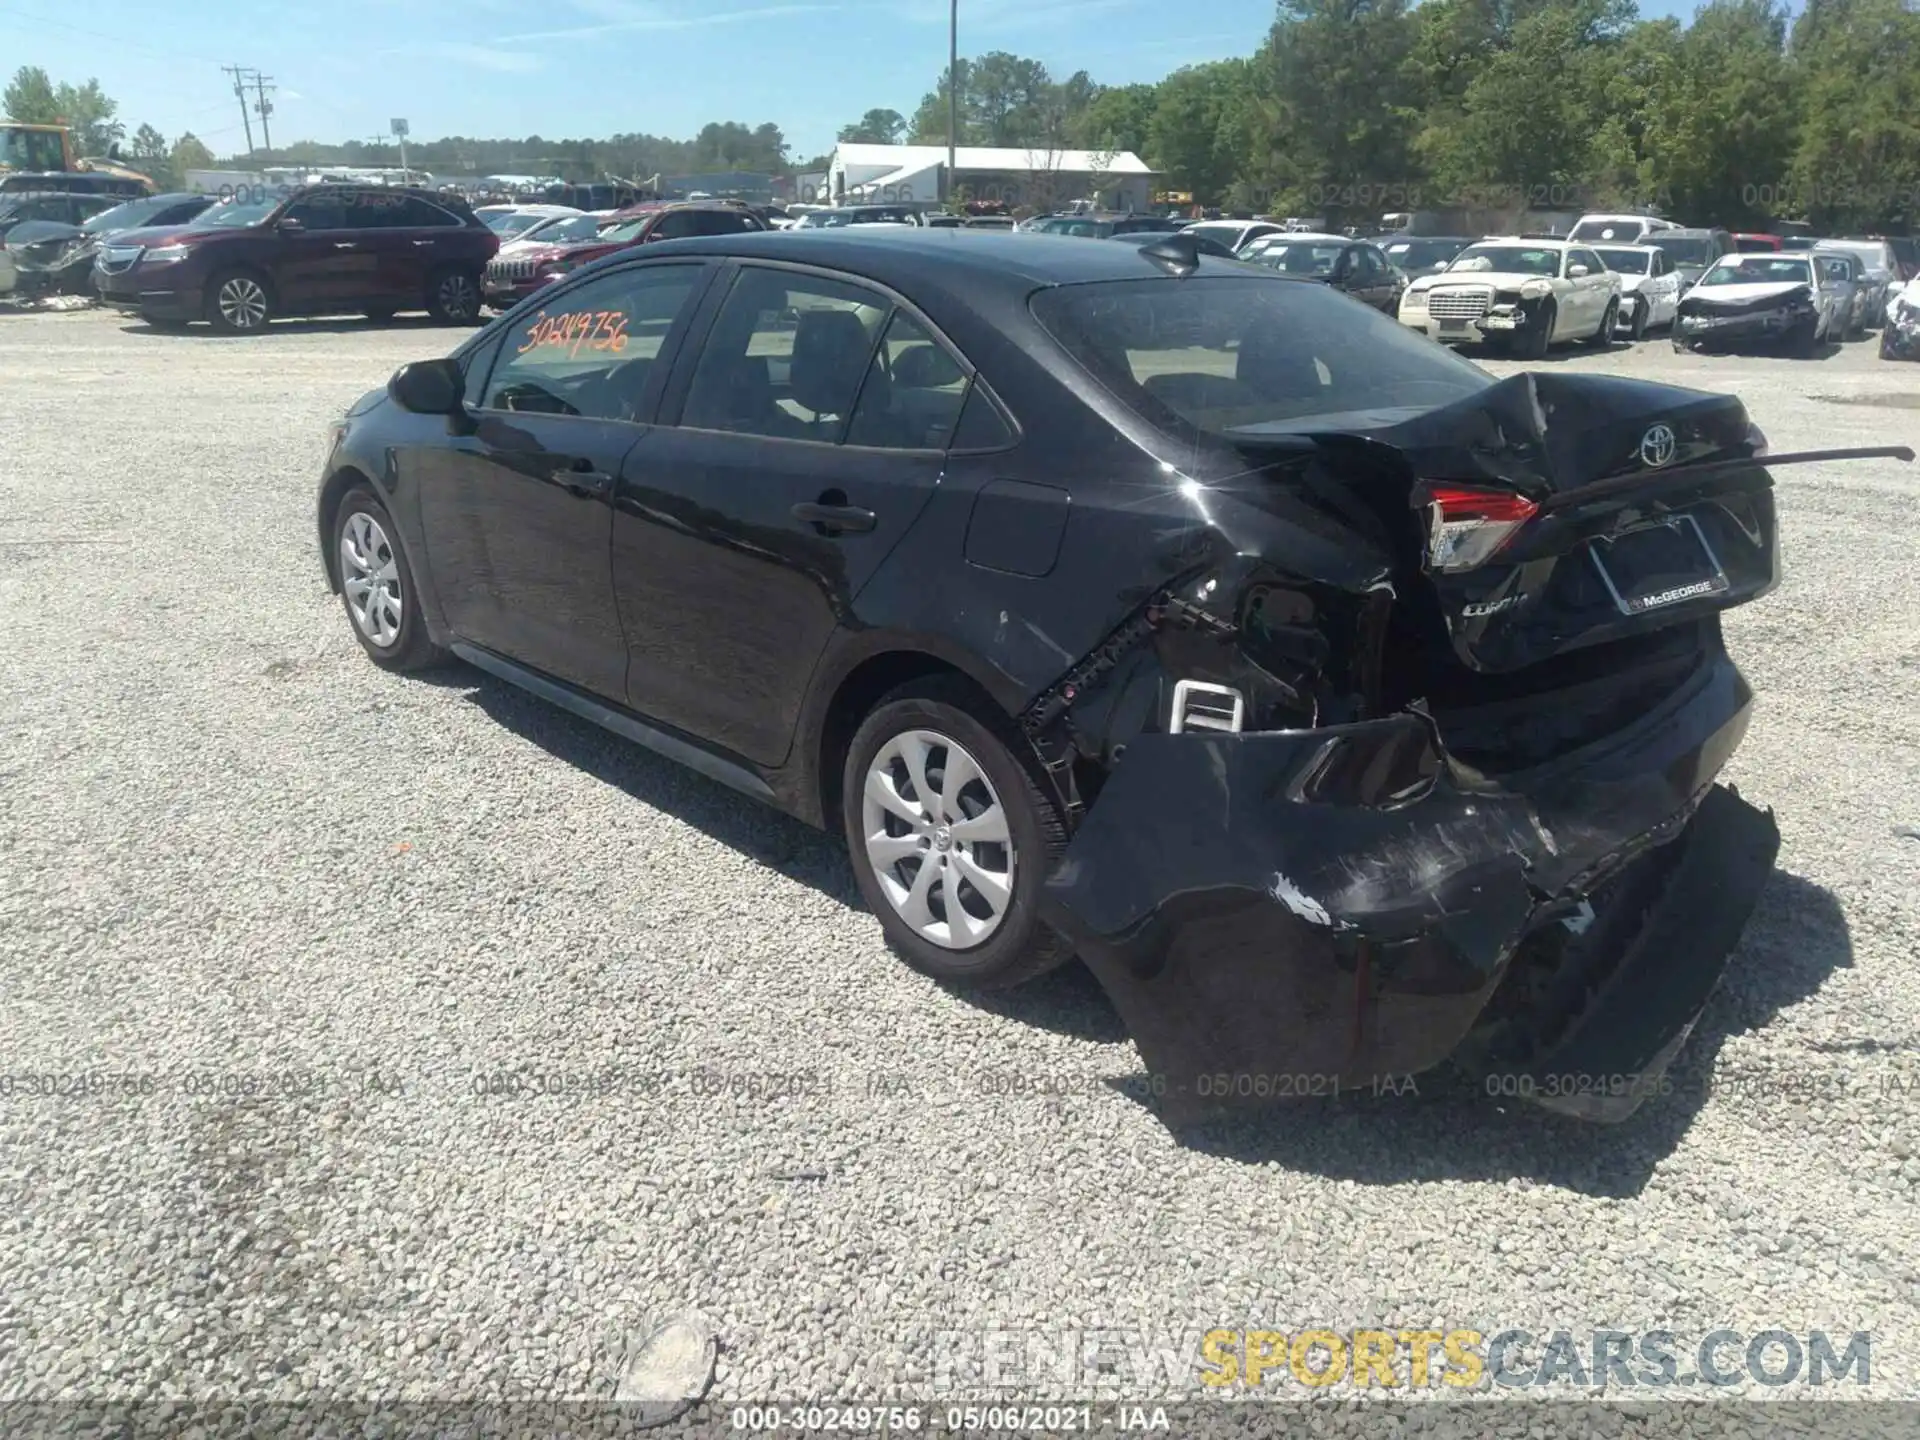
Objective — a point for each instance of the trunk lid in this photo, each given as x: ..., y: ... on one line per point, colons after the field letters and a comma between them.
x: 1558, y: 512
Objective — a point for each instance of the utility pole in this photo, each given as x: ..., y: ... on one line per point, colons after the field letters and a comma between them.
x: 953, y: 90
x: 240, y: 91
x: 265, y: 107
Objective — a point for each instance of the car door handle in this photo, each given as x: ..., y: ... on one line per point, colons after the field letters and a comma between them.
x: 345, y: 245
x: 423, y: 242
x: 831, y: 518
x: 583, y: 480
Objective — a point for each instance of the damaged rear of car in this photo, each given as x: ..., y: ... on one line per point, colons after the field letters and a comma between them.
x: 1414, y: 763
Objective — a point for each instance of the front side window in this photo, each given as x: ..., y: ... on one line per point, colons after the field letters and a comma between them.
x: 786, y: 357
x: 1299, y: 258
x: 591, y: 351
x: 1234, y: 354
x: 1586, y: 258
x: 319, y: 212
x: 1626, y: 262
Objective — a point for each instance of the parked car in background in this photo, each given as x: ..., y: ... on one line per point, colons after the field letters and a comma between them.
x: 1618, y: 229
x: 1691, y: 250
x: 839, y: 215
x: 510, y: 278
x: 1099, y: 226
x: 1844, y: 277
x: 1759, y: 299
x: 1879, y: 269
x: 1517, y: 294
x: 1417, y: 255
x: 1236, y: 234
x: 1906, y: 252
x: 512, y: 221
x: 1308, y: 764
x: 62, y: 207
x: 335, y: 249
x: 1900, y: 335
x: 1204, y: 244
x: 569, y: 229
x: 1649, y: 286
x: 54, y: 258
x: 1750, y: 243
x: 1356, y: 267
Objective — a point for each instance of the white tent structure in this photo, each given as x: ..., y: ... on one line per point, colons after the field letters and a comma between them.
x: 1039, y: 176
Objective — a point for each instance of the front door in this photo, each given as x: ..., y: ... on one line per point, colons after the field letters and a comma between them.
x: 322, y: 262
x: 811, y: 434
x: 517, y: 513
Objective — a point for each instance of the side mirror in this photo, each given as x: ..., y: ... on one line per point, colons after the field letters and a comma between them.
x: 429, y: 387
x: 1578, y: 272
x: 291, y: 226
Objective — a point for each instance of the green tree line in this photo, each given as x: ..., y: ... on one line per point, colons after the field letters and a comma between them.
x: 1351, y: 108
x: 1358, y: 107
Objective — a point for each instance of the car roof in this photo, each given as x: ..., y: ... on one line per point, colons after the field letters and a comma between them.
x: 1690, y: 232
x: 1534, y: 241
x: 1623, y: 245
x: 1311, y: 237
x: 1397, y: 238
x: 913, y: 255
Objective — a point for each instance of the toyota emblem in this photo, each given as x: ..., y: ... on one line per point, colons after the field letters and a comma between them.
x: 1657, y: 446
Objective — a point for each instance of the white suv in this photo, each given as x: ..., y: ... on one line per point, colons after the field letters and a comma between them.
x: 1618, y: 229
x: 1517, y: 292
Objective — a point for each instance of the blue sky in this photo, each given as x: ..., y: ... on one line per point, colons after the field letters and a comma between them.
x: 577, y: 68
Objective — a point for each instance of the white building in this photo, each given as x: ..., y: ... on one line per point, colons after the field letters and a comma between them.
x: 1042, y: 177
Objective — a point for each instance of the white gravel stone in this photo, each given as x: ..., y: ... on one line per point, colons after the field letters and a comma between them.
x: 231, y: 848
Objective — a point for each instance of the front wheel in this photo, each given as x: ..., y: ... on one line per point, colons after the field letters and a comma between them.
x: 239, y: 303
x: 951, y: 837
x: 377, y: 586
x: 453, y: 296
x: 1642, y: 316
x: 1533, y: 344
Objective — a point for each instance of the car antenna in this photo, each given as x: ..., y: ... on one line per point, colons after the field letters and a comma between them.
x: 1177, y: 254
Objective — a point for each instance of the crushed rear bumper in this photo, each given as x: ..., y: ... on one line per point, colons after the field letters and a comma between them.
x: 1292, y: 913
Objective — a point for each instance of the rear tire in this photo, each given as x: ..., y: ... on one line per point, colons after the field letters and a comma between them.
x: 453, y: 295
x: 896, y: 829
x: 239, y: 302
x: 1602, y: 338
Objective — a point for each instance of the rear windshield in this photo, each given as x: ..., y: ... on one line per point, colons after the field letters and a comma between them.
x: 1229, y: 355
x: 1298, y: 257
x: 1686, y: 249
x: 1608, y: 230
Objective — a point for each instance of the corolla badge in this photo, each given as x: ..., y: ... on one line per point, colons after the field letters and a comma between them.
x: 1657, y: 446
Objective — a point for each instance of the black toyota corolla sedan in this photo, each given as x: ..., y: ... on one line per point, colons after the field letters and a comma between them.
x: 1349, y: 712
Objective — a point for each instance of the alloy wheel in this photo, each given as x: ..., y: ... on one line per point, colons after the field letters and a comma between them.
x: 459, y: 299
x: 370, y: 576
x: 938, y: 839
x: 243, y: 304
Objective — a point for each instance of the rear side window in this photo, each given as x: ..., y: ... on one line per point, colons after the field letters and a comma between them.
x: 913, y: 392
x: 723, y: 222
x: 1219, y: 355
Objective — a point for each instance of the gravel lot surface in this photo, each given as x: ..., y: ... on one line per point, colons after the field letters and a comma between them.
x: 236, y: 857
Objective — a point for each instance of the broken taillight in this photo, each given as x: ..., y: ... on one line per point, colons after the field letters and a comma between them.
x: 1468, y: 527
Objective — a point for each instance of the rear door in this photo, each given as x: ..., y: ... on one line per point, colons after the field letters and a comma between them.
x: 789, y: 463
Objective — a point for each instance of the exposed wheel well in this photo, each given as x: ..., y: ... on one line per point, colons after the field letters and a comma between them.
x: 331, y: 494
x: 859, y: 692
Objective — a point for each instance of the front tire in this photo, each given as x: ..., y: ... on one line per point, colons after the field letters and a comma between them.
x: 952, y: 837
x: 1642, y: 317
x: 377, y: 586
x: 1533, y: 344
x: 239, y: 302
x: 453, y: 296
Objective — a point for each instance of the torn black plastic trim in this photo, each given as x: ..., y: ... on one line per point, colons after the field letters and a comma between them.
x: 1242, y: 926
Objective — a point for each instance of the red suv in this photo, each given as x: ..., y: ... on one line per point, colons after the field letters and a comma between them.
x: 324, y: 250
x: 512, y: 277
